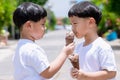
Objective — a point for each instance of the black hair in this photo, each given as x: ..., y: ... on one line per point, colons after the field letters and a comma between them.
x: 86, y: 9
x: 28, y: 11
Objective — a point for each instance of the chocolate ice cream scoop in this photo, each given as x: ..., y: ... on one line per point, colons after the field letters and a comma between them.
x: 69, y: 38
x: 74, y: 59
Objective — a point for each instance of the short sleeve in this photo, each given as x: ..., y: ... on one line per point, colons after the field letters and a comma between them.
x: 107, y: 60
x: 38, y: 60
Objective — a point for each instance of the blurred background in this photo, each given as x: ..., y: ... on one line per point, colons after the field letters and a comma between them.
x: 57, y: 18
x: 57, y: 24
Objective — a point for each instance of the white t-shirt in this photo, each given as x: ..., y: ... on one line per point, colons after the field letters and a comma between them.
x: 29, y: 61
x: 96, y: 56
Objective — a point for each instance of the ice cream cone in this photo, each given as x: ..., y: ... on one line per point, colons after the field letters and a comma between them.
x: 74, y: 59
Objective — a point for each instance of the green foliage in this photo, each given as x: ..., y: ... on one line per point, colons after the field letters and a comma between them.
x: 106, y: 14
x: 66, y: 21
x: 6, y: 10
x: 114, y: 6
x: 51, y: 20
x: 112, y: 16
x: 40, y: 2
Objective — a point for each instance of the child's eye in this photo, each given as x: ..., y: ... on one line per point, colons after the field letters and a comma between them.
x: 74, y: 23
x: 43, y: 24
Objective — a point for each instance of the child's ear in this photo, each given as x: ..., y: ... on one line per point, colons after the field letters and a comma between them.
x: 92, y: 21
x: 28, y: 24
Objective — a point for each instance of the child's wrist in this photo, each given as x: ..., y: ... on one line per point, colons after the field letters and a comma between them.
x: 64, y: 54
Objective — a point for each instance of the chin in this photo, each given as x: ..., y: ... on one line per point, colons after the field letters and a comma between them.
x: 79, y: 37
x: 38, y: 38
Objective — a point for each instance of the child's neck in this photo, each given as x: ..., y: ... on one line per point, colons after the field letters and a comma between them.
x: 90, y: 38
x: 26, y: 37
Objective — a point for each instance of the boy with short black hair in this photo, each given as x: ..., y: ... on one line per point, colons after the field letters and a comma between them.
x: 30, y: 60
x: 96, y: 57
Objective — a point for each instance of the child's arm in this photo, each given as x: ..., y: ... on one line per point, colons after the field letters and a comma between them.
x: 100, y: 75
x: 58, y: 62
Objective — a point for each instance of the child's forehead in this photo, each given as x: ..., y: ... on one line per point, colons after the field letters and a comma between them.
x: 43, y: 20
x: 76, y: 18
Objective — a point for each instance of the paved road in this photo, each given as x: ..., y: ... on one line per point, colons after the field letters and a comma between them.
x: 52, y: 44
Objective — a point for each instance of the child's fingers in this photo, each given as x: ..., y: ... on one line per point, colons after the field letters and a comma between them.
x: 72, y: 45
x: 74, y: 70
x: 69, y: 49
x: 71, y: 57
x: 74, y: 73
x: 70, y: 33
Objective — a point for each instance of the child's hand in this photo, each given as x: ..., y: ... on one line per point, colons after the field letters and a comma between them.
x: 69, y: 49
x: 74, y: 73
x: 77, y: 74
